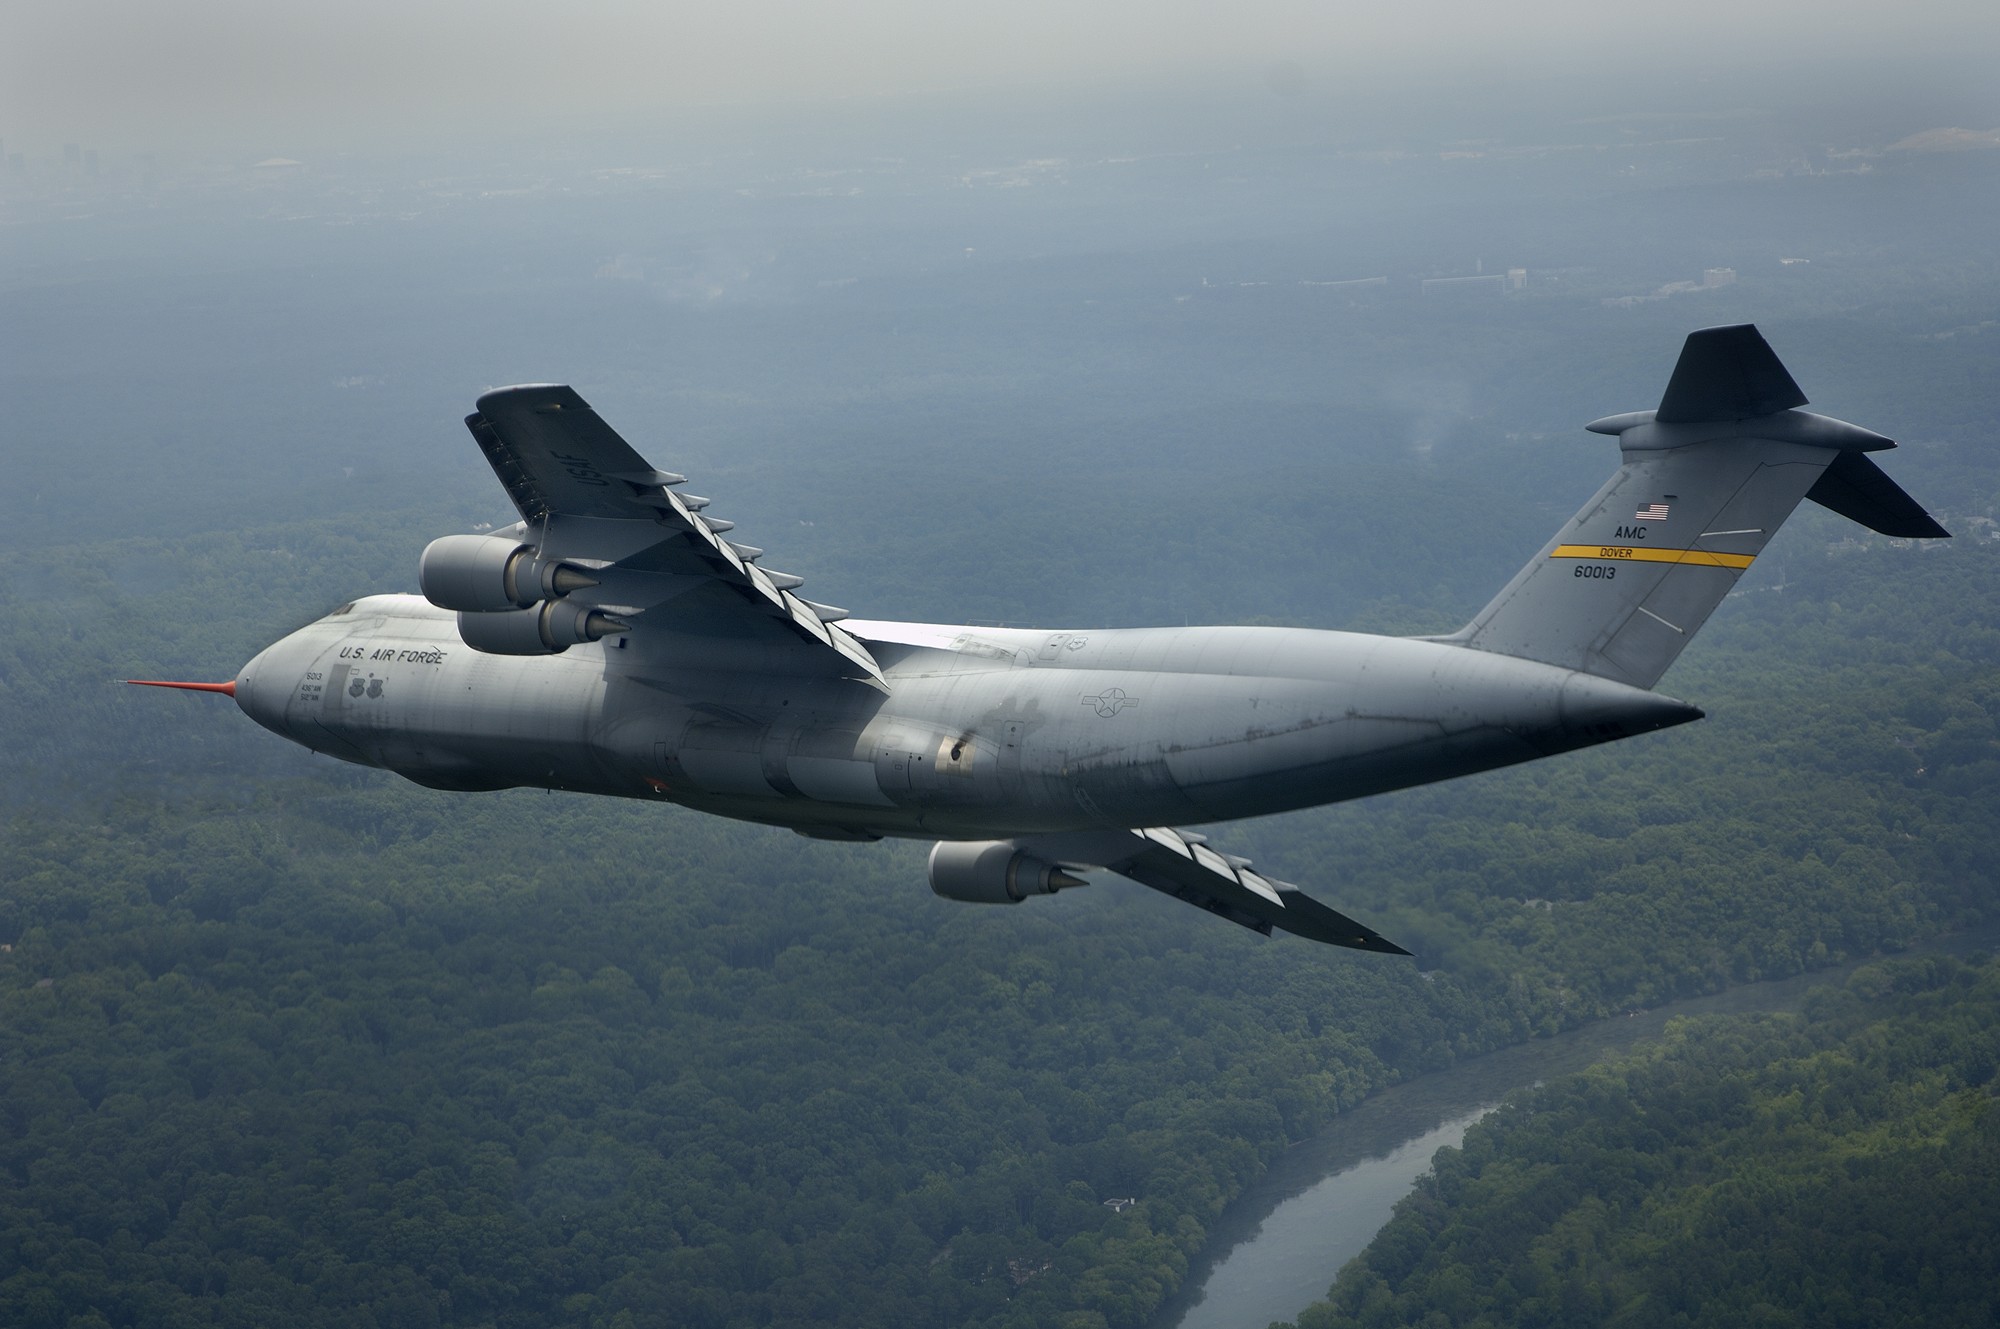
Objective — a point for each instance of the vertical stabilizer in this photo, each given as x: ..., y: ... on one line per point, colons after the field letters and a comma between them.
x: 1707, y: 480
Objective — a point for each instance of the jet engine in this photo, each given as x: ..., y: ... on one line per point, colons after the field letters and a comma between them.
x: 993, y: 872
x: 488, y: 574
x: 546, y: 629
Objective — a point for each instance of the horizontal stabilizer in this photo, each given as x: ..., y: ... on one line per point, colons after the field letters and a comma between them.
x: 1727, y: 373
x: 1861, y: 491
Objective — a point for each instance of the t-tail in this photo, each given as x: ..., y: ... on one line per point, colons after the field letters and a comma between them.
x: 1707, y: 480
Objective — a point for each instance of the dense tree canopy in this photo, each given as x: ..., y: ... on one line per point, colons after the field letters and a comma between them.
x: 284, y: 1039
x: 1840, y: 1167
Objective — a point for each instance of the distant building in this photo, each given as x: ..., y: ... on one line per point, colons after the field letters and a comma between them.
x: 1349, y: 284
x: 1711, y: 279
x: 1492, y: 281
x: 1517, y: 279
x: 72, y: 154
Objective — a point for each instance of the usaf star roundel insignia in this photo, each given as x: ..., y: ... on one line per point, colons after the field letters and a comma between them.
x: 1110, y: 702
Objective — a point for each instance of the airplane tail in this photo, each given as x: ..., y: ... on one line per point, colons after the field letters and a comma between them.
x: 1707, y: 480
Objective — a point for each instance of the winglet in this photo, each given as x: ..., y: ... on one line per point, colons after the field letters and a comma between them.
x: 226, y: 689
x: 1727, y: 373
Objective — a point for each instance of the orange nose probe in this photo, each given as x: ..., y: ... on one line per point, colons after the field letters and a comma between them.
x: 226, y: 689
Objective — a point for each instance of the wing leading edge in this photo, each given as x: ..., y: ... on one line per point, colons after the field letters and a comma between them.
x: 586, y: 495
x: 1181, y: 864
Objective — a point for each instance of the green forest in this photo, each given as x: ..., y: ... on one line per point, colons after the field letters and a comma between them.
x: 289, y: 1040
x: 1836, y: 1167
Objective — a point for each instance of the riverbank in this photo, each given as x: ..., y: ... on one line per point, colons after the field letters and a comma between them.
x: 1293, y: 1230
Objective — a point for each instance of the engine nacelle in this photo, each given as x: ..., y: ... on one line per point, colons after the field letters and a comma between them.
x: 483, y: 574
x: 993, y: 872
x: 547, y: 629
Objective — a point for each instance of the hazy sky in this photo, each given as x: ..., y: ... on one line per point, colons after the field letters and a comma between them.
x: 122, y: 71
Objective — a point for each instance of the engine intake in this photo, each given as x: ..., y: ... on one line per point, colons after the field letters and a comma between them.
x: 483, y: 574
x: 993, y: 872
x: 548, y: 629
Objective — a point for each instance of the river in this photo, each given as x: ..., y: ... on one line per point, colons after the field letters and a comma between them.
x: 1276, y: 1249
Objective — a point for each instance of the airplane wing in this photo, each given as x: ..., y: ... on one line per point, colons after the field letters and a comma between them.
x: 585, y: 496
x: 1180, y: 864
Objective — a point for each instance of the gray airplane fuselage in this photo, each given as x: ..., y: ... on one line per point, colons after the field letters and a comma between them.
x: 616, y: 640
x: 972, y: 732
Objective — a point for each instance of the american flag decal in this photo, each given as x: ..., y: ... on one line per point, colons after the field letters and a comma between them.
x: 1651, y: 512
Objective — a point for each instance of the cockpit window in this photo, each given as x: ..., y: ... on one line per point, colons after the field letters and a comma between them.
x: 347, y: 608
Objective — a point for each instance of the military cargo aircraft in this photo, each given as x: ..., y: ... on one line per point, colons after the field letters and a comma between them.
x: 616, y: 640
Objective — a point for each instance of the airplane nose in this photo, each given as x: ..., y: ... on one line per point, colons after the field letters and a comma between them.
x: 261, y: 691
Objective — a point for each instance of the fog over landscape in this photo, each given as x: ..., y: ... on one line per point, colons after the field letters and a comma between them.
x: 1036, y: 315
x: 229, y: 70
